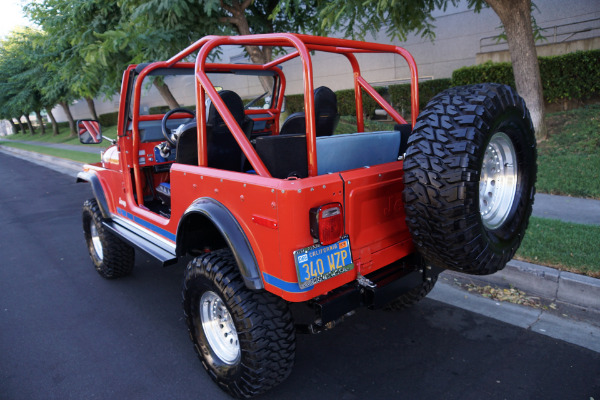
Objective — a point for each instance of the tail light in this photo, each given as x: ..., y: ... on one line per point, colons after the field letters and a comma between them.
x: 327, y: 223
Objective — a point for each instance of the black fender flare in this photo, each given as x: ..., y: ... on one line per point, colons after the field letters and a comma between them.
x: 97, y: 189
x: 232, y: 234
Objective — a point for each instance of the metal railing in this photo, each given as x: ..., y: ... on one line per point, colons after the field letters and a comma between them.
x: 585, y: 29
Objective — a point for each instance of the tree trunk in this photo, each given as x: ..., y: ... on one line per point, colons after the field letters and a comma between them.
x: 257, y: 54
x: 91, y: 107
x: 67, y: 110
x: 21, y: 125
x: 166, y: 94
x: 515, y: 15
x: 15, y: 128
x: 29, y: 124
x: 54, y: 124
x: 38, y: 115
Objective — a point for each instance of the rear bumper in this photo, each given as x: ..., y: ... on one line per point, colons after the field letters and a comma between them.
x: 373, y: 291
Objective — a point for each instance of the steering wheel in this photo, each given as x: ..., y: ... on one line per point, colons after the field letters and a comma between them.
x: 166, y: 133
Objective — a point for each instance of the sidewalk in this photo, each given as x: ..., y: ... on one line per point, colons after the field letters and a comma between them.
x: 572, y: 292
x: 567, y: 209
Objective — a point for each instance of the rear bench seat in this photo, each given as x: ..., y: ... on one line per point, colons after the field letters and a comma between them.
x: 285, y: 155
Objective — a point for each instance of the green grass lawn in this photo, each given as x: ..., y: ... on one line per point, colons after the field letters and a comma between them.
x: 63, y: 137
x: 347, y: 124
x: 569, y: 161
x: 565, y: 246
x: 79, y: 156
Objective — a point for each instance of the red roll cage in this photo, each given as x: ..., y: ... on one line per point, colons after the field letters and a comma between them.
x: 303, y: 45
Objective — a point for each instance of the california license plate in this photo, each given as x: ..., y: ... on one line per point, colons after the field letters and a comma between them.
x: 317, y: 263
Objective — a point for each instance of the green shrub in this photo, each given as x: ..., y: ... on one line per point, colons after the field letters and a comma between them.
x: 569, y: 76
x: 487, y: 72
x: 400, y: 94
x: 347, y: 102
x: 294, y: 103
x: 109, y: 119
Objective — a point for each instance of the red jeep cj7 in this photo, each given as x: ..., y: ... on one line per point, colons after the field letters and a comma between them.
x: 280, y: 216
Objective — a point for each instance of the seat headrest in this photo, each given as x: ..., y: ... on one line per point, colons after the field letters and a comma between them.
x: 233, y: 102
x: 326, y: 112
x: 325, y: 99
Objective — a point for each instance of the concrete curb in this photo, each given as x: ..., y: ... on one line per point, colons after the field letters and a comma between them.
x: 551, y: 284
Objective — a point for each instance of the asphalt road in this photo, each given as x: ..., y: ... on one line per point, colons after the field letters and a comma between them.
x: 67, y: 333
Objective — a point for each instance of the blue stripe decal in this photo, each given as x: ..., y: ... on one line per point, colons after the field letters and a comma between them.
x: 291, y: 287
x: 146, y: 224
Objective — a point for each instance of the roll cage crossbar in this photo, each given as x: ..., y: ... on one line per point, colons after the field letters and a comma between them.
x: 302, y: 45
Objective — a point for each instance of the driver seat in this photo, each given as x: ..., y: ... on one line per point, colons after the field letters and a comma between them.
x: 223, y: 150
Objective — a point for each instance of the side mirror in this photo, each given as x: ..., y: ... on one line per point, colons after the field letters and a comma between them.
x: 89, y: 131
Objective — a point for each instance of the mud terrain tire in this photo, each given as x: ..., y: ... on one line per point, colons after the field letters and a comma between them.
x: 469, y: 177
x: 112, y: 257
x: 245, y: 339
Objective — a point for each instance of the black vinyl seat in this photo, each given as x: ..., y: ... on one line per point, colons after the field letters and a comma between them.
x: 326, y: 115
x: 223, y: 150
x: 294, y: 124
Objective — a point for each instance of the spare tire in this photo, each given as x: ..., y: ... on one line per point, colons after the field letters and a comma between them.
x: 469, y: 175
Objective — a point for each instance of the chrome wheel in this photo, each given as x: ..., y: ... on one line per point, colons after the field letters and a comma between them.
x: 96, y: 240
x: 218, y: 327
x: 498, y: 181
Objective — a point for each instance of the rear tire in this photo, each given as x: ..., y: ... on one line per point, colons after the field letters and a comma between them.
x: 112, y: 257
x: 469, y: 178
x: 245, y: 339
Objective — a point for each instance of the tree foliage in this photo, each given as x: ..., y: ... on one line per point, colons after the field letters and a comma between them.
x: 356, y: 18
x: 21, y: 75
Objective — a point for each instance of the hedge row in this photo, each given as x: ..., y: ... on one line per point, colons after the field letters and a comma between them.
x: 109, y: 119
x: 570, y: 76
x: 400, y: 94
x: 345, y: 102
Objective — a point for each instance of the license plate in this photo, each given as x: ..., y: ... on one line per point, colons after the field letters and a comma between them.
x: 317, y: 263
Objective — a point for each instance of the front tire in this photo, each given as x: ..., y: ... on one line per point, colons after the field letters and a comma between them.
x: 245, y: 339
x: 469, y: 178
x: 112, y: 257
